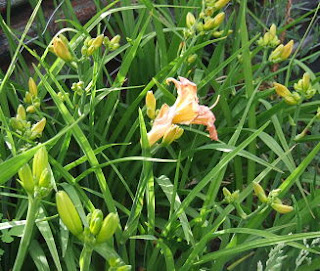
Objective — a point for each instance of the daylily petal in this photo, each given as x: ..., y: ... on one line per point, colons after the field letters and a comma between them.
x: 161, y: 125
x: 207, y: 118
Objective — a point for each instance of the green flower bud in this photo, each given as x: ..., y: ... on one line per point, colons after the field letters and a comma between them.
x: 192, y: 58
x: 26, y: 178
x: 28, y: 98
x: 108, y: 228
x: 40, y: 163
x: 17, y: 125
x: 190, y: 20
x: 31, y: 109
x: 68, y: 213
x: 38, y: 128
x: 115, y: 39
x: 95, y: 222
x: 259, y: 191
x: 33, y: 89
x: 45, y: 179
x: 21, y: 113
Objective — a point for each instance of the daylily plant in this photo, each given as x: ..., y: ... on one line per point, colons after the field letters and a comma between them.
x: 185, y: 110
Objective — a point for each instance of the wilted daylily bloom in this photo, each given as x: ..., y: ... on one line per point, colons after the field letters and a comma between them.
x: 185, y: 110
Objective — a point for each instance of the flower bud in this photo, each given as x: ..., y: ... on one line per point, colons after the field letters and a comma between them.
x: 33, y: 89
x: 97, y: 42
x: 95, y: 222
x: 45, y: 179
x: 108, y: 228
x: 115, y: 39
x: 40, y: 163
x: 114, y: 43
x: 226, y: 192
x: 28, y: 98
x: 318, y: 113
x: 218, y: 19
x: 273, y: 30
x: 287, y: 49
x: 209, y: 24
x: 276, y: 53
x: 221, y: 3
x: 38, y: 128
x: 21, y: 113
x: 259, y: 191
x: 190, y: 20
x: 174, y: 133
x: 151, y: 103
x: 192, y: 58
x: 31, y: 109
x: 17, y: 125
x: 26, y: 178
x: 281, y: 208
x: 68, y: 213
x: 60, y: 46
x: 281, y: 90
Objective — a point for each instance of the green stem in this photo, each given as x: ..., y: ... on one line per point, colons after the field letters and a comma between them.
x: 85, y: 257
x: 33, y: 206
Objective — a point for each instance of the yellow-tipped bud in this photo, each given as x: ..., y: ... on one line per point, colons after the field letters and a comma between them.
x: 281, y: 90
x: 287, y: 49
x: 190, y: 20
x: 97, y: 42
x: 60, y: 47
x: 221, y: 4
x: 38, y: 128
x: 108, y: 228
x: 95, y: 222
x: 40, y: 163
x: 21, y: 113
x: 281, y: 208
x: 26, y: 178
x: 174, y: 133
x: 218, y: 19
x: 33, y: 89
x: 151, y: 103
x: 68, y: 213
x: 260, y: 193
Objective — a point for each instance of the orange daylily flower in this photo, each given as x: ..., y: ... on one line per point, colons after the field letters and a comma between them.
x: 185, y: 110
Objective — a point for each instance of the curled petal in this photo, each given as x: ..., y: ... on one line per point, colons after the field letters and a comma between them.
x: 206, y: 117
x: 160, y: 125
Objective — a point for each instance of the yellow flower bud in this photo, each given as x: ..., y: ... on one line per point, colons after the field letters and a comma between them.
x: 26, y: 178
x: 97, y: 42
x: 95, y: 222
x: 31, y: 109
x: 276, y: 53
x: 221, y: 3
x: 218, y: 19
x: 260, y: 193
x: 190, y: 20
x: 174, y: 133
x: 28, y: 98
x: 33, y: 89
x: 281, y: 90
x: 60, y: 46
x: 273, y: 30
x: 40, y: 163
x: 209, y: 24
x: 21, y: 113
x: 281, y: 208
x: 108, y: 228
x: 115, y: 39
x: 151, y: 103
x: 68, y: 213
x: 38, y: 128
x: 287, y: 49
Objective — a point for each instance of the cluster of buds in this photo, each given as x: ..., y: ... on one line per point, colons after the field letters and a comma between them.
x: 291, y: 98
x: 233, y: 198
x: 23, y: 127
x: 78, y: 87
x: 282, y: 52
x: 31, y: 97
x: 91, y: 45
x: 272, y: 199
x: 270, y: 38
x: 37, y: 182
x: 304, y: 86
x: 209, y: 20
x: 99, y: 229
x: 60, y: 47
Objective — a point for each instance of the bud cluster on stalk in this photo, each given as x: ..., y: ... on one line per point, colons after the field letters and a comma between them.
x: 37, y: 181
x: 91, y: 45
x: 272, y: 199
x: 281, y: 53
x: 270, y: 38
x: 99, y: 230
x: 233, y: 198
x: 209, y: 19
x: 20, y: 124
